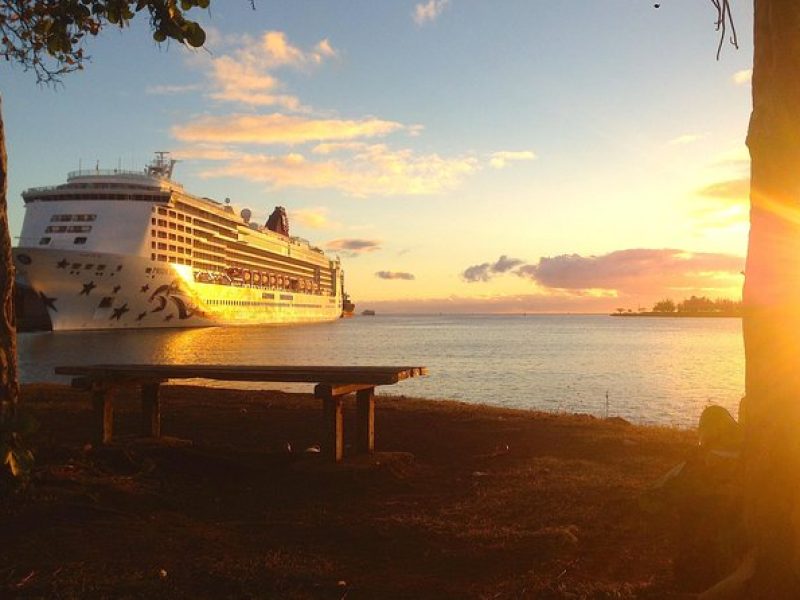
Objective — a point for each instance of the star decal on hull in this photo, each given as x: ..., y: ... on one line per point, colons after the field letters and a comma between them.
x: 118, y: 312
x: 87, y: 287
x: 62, y: 264
x: 145, y: 287
x: 50, y: 303
x: 117, y: 288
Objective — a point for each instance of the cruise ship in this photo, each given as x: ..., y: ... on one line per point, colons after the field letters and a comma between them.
x: 115, y: 249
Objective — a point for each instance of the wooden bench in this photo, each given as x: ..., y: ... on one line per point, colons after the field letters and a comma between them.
x: 332, y: 385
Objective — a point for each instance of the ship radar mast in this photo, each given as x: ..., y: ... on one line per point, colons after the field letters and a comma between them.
x: 161, y: 166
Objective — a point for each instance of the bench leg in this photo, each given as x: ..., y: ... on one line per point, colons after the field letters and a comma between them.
x: 333, y: 448
x: 151, y: 411
x: 103, y: 405
x: 365, y: 421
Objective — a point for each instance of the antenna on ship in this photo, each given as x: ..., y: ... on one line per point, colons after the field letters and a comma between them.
x: 161, y: 165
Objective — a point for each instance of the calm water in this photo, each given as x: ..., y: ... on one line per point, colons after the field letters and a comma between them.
x: 654, y: 370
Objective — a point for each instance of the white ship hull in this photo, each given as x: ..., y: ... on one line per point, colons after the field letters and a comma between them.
x: 132, y: 292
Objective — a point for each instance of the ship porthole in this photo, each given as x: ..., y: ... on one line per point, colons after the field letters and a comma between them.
x: 24, y: 259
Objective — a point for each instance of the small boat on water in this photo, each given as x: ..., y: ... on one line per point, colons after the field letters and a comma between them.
x: 368, y: 313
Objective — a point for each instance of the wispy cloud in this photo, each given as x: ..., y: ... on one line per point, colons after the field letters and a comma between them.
x: 722, y: 206
x: 313, y: 217
x: 499, y: 160
x: 743, y: 77
x: 375, y: 170
x: 732, y: 190
x: 358, y: 156
x: 686, y: 138
x: 278, y: 52
x: 353, y: 246
x: 738, y: 157
x: 395, y: 275
x: 428, y: 12
x: 485, y: 271
x: 277, y: 128
x: 244, y: 69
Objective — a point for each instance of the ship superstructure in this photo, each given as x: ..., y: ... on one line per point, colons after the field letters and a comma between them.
x: 125, y: 249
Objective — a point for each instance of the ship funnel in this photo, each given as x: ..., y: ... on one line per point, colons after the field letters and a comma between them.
x: 278, y: 221
x: 246, y: 214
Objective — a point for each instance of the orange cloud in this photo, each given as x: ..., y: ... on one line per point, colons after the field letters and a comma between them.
x: 243, y: 71
x: 242, y: 82
x: 313, y: 218
x: 735, y: 190
x: 279, y: 52
x: 278, y: 128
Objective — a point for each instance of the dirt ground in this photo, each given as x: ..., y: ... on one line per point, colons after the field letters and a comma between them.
x: 460, y: 501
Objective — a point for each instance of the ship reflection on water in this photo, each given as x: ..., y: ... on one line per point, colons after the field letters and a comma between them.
x: 40, y: 353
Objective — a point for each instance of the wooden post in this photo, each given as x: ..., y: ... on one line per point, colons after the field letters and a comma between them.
x: 365, y: 421
x: 103, y: 405
x: 151, y: 410
x: 333, y: 422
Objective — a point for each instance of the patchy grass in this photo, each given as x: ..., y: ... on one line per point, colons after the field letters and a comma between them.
x: 462, y: 501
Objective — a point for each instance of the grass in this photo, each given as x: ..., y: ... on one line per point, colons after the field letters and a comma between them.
x: 461, y: 501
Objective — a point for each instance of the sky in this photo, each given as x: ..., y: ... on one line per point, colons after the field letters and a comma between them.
x: 458, y: 155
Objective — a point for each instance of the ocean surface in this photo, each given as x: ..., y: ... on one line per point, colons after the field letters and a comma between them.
x: 648, y: 370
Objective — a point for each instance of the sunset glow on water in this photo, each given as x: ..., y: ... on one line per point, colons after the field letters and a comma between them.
x: 655, y: 370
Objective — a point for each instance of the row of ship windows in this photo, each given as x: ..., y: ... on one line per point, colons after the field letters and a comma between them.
x: 285, y: 297
x: 173, y: 259
x: 45, y: 241
x: 76, y: 218
x: 68, y: 229
x: 84, y: 196
x: 170, y: 247
x: 170, y: 225
x: 224, y: 231
x: 172, y: 236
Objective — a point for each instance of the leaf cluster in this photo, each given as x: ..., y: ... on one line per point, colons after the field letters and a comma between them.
x: 47, y: 36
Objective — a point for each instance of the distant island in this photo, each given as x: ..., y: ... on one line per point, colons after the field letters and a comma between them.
x: 691, y: 307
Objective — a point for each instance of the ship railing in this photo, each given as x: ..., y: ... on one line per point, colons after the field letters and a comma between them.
x: 113, y: 173
x: 43, y: 188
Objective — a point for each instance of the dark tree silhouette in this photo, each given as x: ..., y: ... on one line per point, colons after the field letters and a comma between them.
x: 771, y: 409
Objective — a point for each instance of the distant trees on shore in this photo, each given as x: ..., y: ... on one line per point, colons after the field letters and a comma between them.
x: 694, y: 305
x: 664, y: 306
x: 698, y: 304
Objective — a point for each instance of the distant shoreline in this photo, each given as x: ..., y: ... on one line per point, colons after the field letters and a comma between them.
x: 713, y: 315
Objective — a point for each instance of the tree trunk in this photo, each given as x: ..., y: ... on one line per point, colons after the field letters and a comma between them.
x: 771, y: 324
x: 9, y: 382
